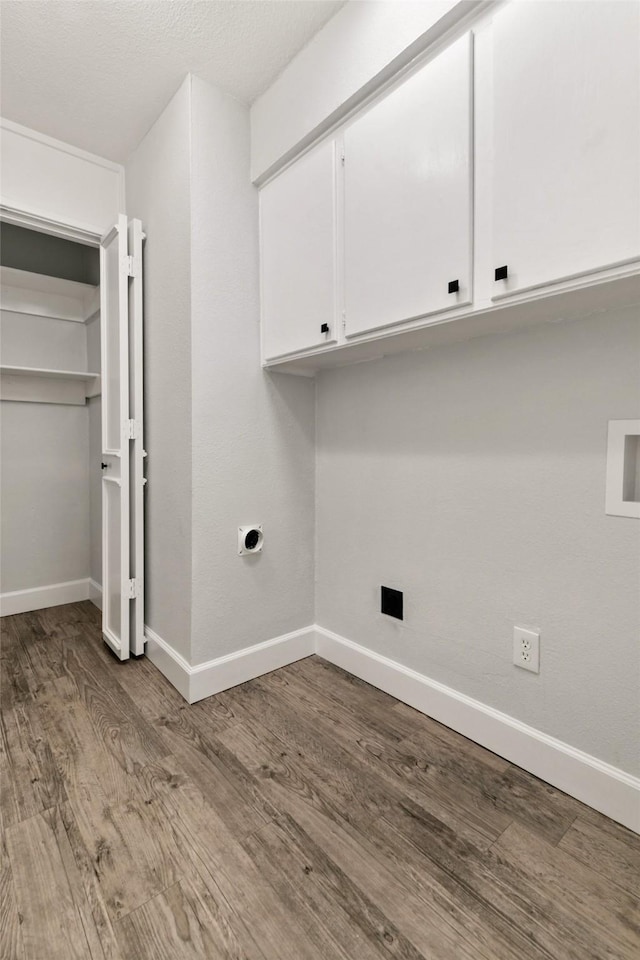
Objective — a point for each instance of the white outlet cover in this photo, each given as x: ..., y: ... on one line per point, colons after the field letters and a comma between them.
x: 526, y: 649
x: 622, y: 467
x: 243, y: 549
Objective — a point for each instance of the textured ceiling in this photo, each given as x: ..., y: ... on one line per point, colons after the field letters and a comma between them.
x: 97, y: 73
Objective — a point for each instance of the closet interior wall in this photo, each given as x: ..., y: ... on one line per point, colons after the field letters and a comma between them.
x: 50, y: 440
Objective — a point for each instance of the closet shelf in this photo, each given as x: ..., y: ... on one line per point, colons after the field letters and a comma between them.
x: 40, y: 296
x: 48, y: 374
x: 41, y: 385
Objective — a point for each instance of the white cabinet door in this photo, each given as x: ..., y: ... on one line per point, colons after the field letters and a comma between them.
x: 407, y: 198
x: 122, y: 513
x: 297, y: 255
x: 566, y: 96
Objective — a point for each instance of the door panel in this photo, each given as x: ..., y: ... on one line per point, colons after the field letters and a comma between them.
x: 137, y: 480
x: 114, y: 326
x: 407, y: 197
x: 297, y: 255
x: 114, y: 320
x: 112, y: 600
x: 566, y: 102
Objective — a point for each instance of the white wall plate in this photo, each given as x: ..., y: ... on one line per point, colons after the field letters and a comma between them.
x: 250, y: 539
x: 623, y: 469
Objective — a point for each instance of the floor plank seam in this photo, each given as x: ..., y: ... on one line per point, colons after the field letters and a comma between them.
x: 573, y: 822
x: 500, y: 836
x: 489, y: 906
x: 115, y: 921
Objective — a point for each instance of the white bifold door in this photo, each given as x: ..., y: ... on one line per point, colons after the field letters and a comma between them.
x: 122, y: 439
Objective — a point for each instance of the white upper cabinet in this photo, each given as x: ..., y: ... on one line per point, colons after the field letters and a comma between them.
x: 298, y: 261
x: 407, y: 198
x: 495, y: 185
x: 566, y: 159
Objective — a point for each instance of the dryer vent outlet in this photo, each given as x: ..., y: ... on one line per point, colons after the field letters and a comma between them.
x: 250, y: 539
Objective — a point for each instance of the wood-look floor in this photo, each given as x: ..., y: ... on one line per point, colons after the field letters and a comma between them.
x: 301, y: 816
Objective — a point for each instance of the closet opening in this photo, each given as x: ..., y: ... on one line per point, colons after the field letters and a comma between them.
x: 51, y: 543
x: 71, y: 457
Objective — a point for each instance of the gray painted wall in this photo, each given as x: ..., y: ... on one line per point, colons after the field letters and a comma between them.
x: 44, y: 494
x: 472, y: 478
x: 227, y: 443
x: 158, y: 192
x: 252, y: 433
x: 44, y: 450
x: 37, y: 252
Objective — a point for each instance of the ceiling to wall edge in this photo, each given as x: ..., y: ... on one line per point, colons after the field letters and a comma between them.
x: 423, y: 49
x: 79, y: 232
x: 412, y: 57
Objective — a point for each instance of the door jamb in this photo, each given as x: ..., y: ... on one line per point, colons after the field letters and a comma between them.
x: 32, y: 220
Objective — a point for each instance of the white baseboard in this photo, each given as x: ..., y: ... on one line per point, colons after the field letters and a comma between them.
x: 95, y: 593
x: 168, y: 661
x: 205, y: 679
x: 598, y: 784
x: 22, y: 601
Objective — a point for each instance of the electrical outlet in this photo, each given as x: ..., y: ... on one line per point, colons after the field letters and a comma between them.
x: 526, y: 649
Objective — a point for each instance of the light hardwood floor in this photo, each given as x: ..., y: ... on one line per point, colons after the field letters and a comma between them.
x: 301, y: 816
